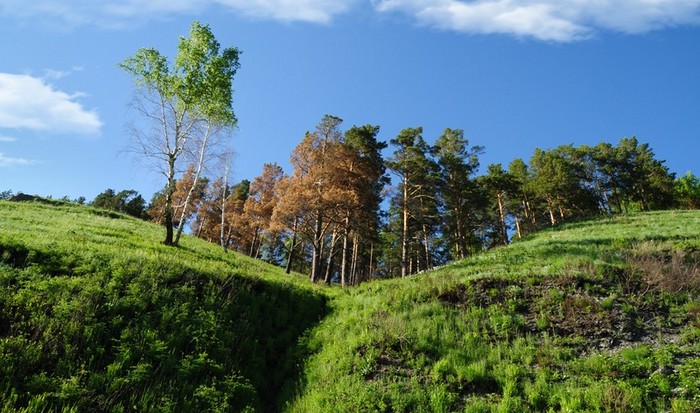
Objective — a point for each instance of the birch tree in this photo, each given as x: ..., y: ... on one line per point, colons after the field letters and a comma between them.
x: 184, y: 103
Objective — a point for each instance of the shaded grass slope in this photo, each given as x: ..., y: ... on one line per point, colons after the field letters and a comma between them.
x: 96, y: 315
x: 594, y: 316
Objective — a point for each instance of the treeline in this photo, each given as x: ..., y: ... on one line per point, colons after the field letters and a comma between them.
x: 346, y: 214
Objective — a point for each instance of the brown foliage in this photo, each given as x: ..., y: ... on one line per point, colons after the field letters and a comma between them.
x: 156, y: 210
x: 677, y: 271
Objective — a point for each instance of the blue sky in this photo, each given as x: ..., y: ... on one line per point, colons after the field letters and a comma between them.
x: 513, y: 74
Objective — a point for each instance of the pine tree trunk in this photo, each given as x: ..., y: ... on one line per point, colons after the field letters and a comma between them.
x: 502, y: 219
x: 551, y: 216
x: 355, y: 253
x: 260, y: 244
x: 426, y: 246
x: 344, y: 260
x: 253, y: 242
x: 317, y: 245
x: 459, y: 236
x: 529, y: 213
x: 290, y: 256
x: 199, y: 229
x: 329, y: 262
x: 370, y: 274
x: 404, y: 236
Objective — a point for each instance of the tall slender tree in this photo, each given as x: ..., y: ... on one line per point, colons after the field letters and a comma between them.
x: 501, y: 188
x: 261, y: 203
x: 525, y: 209
x: 417, y: 195
x: 365, y: 177
x: 190, y: 97
x: 313, y: 198
x: 458, y: 164
x: 557, y: 178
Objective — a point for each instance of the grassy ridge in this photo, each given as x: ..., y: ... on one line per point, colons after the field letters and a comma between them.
x: 590, y: 316
x: 97, y: 315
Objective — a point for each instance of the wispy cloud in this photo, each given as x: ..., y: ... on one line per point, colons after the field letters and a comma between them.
x: 28, y: 102
x: 315, y: 11
x: 549, y: 20
x: 6, y: 161
x: 7, y: 138
x: 120, y: 13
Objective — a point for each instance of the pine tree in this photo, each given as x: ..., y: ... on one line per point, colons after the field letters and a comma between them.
x: 458, y: 163
x: 501, y: 188
x: 314, y: 198
x: 417, y: 197
x: 260, y: 205
x: 365, y: 177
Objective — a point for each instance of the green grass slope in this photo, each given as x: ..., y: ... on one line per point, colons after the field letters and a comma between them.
x: 596, y: 316
x: 96, y: 315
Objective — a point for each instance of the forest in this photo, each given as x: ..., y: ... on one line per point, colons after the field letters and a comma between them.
x: 346, y: 213
x: 355, y: 207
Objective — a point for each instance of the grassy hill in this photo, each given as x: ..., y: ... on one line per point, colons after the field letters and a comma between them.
x: 591, y: 316
x: 97, y: 315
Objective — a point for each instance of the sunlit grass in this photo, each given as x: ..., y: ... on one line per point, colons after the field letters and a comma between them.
x: 501, y: 331
x: 97, y: 314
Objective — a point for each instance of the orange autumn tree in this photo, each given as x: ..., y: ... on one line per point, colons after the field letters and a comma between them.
x: 312, y: 198
x: 332, y: 198
x: 260, y: 205
x: 182, y: 211
x: 221, y: 218
x: 206, y: 224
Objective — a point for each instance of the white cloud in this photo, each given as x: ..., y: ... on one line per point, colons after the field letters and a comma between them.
x: 7, y: 138
x: 117, y: 14
x: 315, y: 11
x: 52, y: 74
x: 549, y: 20
x: 27, y: 102
x: 6, y: 161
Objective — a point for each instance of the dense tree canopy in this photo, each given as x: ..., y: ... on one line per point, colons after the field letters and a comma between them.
x: 458, y: 189
x: 339, y: 216
x: 416, y: 197
x: 127, y: 201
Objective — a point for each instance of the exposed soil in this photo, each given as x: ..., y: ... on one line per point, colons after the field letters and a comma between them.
x: 586, y: 313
